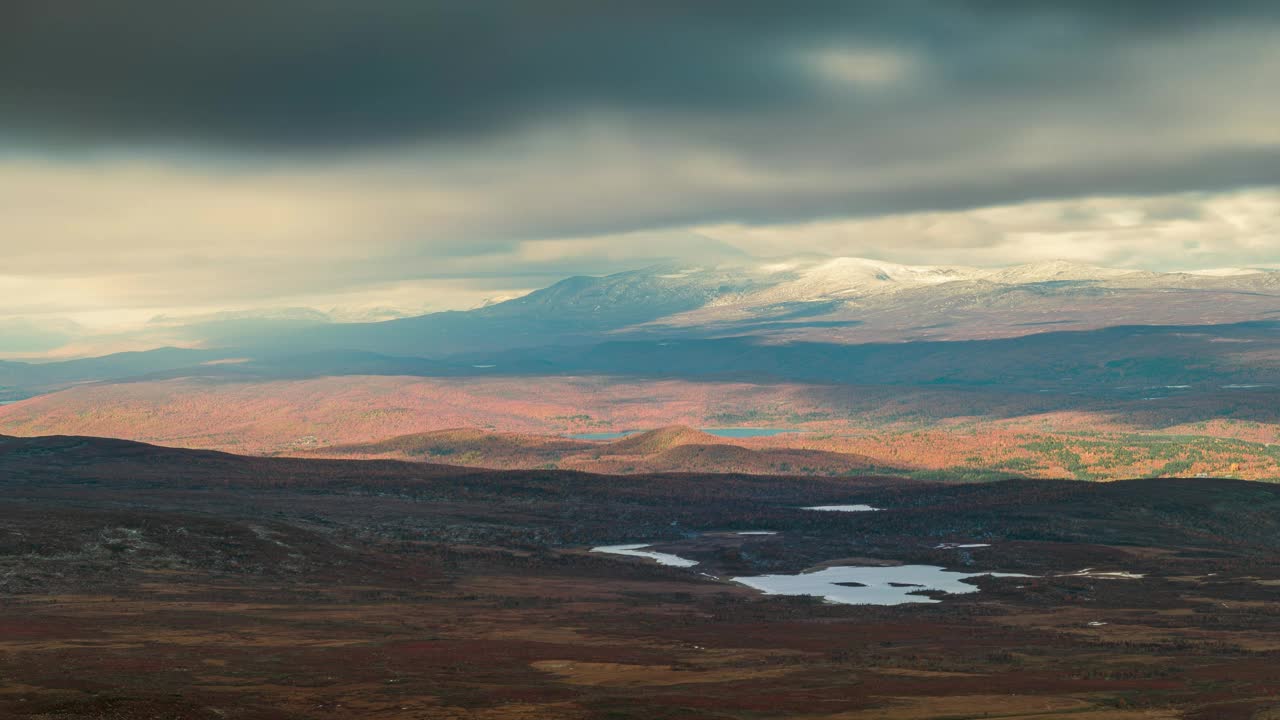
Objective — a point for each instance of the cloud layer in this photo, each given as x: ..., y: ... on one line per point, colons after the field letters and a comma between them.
x: 188, y: 157
x: 299, y: 73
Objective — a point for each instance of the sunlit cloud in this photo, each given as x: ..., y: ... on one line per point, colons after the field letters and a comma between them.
x: 1187, y: 231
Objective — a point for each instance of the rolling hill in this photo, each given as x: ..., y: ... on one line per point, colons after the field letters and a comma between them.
x: 669, y: 449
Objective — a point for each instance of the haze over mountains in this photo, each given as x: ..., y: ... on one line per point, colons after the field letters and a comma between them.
x: 884, y: 301
x: 854, y: 299
x: 830, y: 300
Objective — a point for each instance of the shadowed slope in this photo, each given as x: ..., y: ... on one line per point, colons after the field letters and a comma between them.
x: 464, y: 444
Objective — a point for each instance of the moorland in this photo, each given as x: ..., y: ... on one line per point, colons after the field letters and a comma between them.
x: 148, y: 582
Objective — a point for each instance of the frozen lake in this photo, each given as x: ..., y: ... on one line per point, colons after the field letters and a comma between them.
x: 868, y: 585
x: 639, y: 551
x: 842, y: 508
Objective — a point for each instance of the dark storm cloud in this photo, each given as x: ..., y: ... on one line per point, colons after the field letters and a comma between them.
x: 324, y: 73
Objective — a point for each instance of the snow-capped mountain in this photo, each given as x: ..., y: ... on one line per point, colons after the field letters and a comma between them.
x: 827, y: 299
x: 851, y: 279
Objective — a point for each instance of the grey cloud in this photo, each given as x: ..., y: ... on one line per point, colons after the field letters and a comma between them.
x: 1134, y: 90
x: 305, y: 73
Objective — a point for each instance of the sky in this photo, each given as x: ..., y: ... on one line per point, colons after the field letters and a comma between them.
x: 173, y: 162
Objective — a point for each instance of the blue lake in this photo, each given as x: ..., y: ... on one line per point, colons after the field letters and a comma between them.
x: 730, y: 432
x: 740, y: 432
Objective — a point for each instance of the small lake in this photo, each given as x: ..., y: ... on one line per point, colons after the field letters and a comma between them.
x: 742, y: 432
x: 718, y: 432
x: 842, y: 508
x: 639, y: 551
x: 869, y: 585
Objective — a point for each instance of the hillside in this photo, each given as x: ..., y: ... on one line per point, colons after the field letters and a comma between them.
x: 1202, y: 429
x: 660, y: 440
x: 671, y: 449
x: 464, y: 446
x: 720, y: 457
x: 1231, y: 515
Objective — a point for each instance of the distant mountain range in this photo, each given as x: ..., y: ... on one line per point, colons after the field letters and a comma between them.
x: 829, y: 302
x: 844, y: 299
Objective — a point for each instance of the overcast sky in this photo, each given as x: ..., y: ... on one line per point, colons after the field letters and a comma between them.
x: 372, y: 157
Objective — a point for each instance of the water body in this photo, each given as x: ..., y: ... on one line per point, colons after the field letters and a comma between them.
x: 718, y: 432
x: 869, y: 585
x: 757, y: 532
x: 843, y: 508
x: 639, y: 551
x: 741, y: 432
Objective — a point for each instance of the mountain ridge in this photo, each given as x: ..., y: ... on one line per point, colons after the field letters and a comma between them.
x: 733, y: 297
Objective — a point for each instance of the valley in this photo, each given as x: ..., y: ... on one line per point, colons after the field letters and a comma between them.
x: 507, y: 423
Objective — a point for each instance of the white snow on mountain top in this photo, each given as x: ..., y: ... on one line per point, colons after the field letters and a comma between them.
x: 1053, y: 270
x: 839, y: 277
x: 846, y: 278
x: 1225, y: 272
